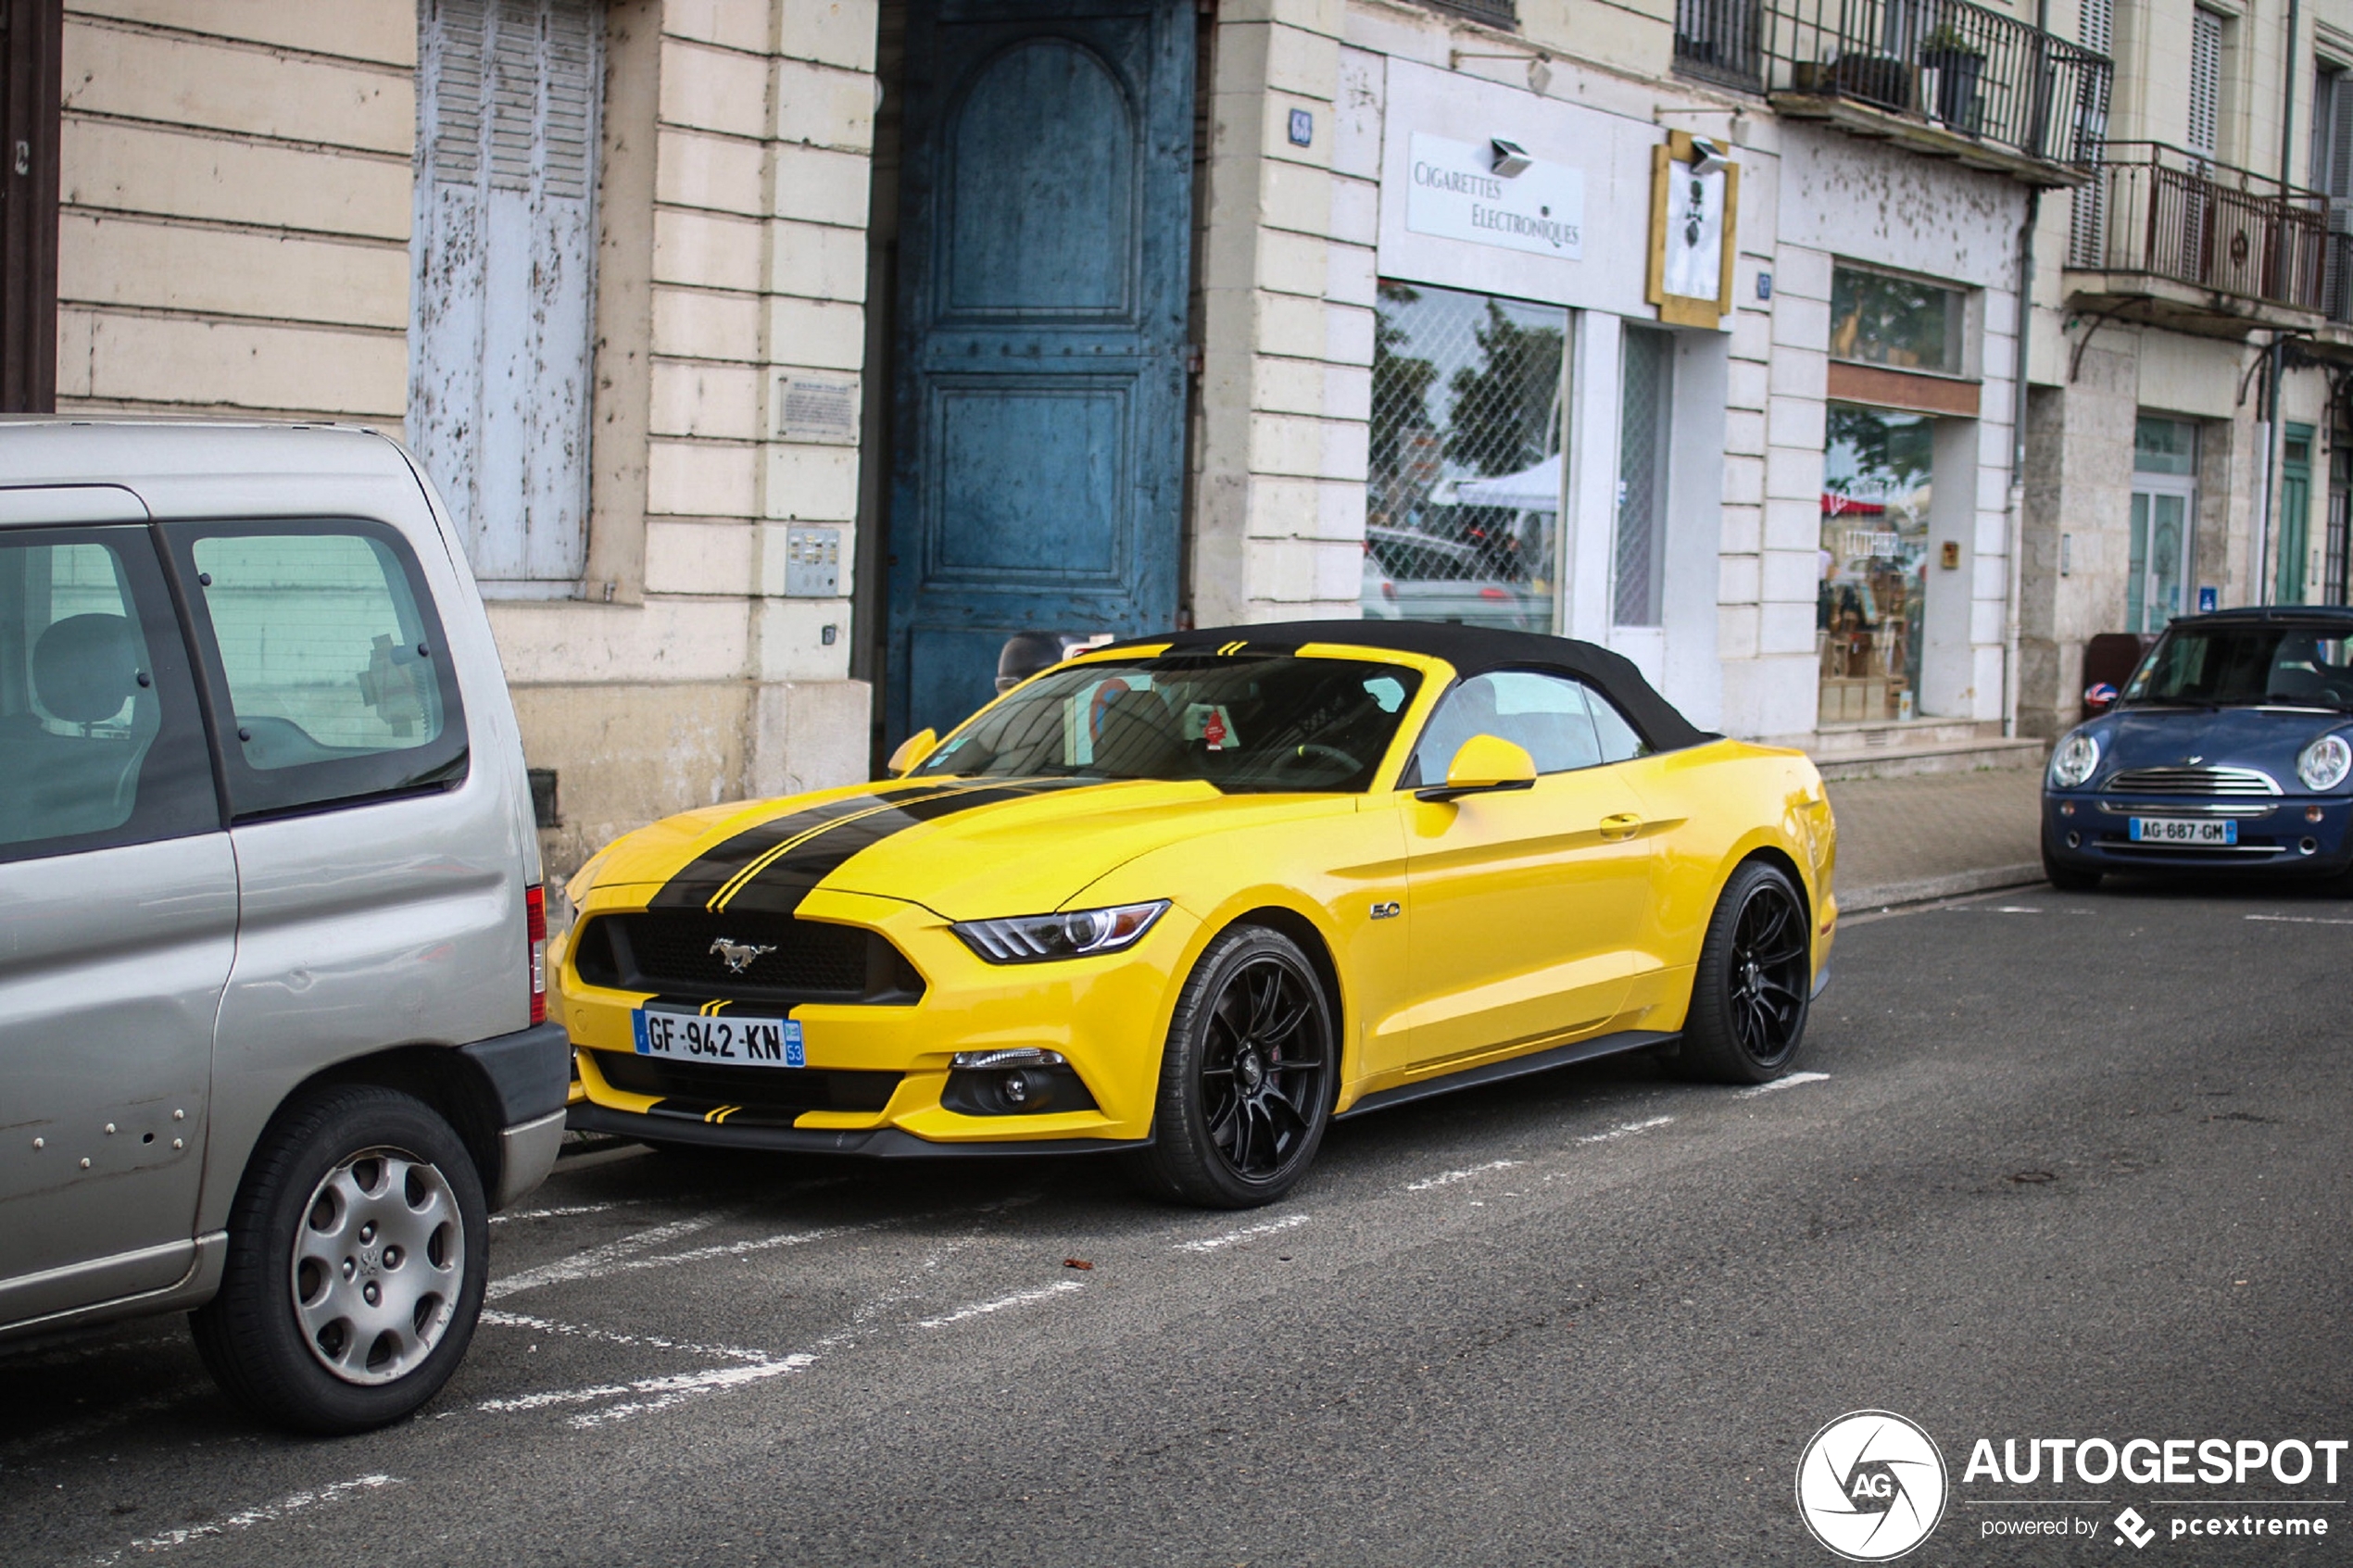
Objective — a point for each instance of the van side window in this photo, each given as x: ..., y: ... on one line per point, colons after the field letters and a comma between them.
x: 101, y: 742
x: 1561, y: 723
x: 330, y: 682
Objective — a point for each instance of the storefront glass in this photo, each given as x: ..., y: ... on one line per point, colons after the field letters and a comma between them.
x: 2164, y: 486
x: 1463, y: 503
x: 1876, y: 487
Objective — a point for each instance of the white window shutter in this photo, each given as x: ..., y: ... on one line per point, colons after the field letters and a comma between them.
x: 504, y: 249
x: 2205, y: 83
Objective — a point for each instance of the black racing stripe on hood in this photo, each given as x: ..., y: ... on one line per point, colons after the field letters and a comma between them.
x: 694, y: 884
x: 782, y: 885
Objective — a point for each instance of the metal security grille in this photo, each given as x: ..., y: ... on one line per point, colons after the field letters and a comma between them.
x: 1638, y: 597
x: 1463, y: 504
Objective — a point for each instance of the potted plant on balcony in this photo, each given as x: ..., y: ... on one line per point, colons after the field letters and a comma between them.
x: 1959, y: 64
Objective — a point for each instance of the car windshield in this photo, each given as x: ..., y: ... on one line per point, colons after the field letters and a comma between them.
x: 2239, y: 666
x: 1252, y: 722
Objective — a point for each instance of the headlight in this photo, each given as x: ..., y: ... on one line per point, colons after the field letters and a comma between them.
x: 2074, y: 760
x: 1082, y: 934
x: 2324, y: 763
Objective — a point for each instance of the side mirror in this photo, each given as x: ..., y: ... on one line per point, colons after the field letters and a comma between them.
x: 2098, y: 697
x: 912, y: 752
x: 1485, y: 764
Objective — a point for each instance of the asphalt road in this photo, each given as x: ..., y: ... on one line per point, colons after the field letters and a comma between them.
x: 2075, y: 1169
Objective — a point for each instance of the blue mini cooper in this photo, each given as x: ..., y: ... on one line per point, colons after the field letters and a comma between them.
x: 2230, y: 749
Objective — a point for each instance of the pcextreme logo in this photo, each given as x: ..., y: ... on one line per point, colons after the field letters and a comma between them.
x: 1872, y: 1486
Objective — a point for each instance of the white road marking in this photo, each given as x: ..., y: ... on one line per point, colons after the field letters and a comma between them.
x: 680, y: 1384
x: 1449, y: 1178
x: 1210, y: 1243
x: 2016, y: 909
x: 1625, y: 1128
x: 497, y: 1318
x: 596, y: 1260
x: 1789, y: 1083
x: 1021, y: 1298
x: 559, y: 1213
x: 2302, y: 919
x: 268, y: 1512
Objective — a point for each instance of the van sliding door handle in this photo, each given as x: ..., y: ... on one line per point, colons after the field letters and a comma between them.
x: 1620, y: 825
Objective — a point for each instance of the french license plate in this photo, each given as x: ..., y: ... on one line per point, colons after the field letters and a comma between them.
x: 736, y: 1042
x: 2184, y: 829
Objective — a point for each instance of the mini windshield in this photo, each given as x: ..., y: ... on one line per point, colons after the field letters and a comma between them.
x: 2246, y: 665
x: 1252, y: 722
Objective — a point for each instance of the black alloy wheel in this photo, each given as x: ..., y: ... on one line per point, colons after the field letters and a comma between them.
x: 1751, y: 991
x: 1246, y: 1080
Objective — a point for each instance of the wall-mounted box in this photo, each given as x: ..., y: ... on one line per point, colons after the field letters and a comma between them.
x: 812, y: 563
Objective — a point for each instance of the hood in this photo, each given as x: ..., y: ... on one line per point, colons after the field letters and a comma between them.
x: 964, y: 848
x: 2269, y: 738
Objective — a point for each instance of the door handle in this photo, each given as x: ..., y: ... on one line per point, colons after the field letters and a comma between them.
x: 1620, y: 825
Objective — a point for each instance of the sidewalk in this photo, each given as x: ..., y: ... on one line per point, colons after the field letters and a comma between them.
x: 1935, y: 836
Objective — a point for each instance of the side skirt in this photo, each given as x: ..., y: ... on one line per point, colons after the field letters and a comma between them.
x: 1513, y: 1067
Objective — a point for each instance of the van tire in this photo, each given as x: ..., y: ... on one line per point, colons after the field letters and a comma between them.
x: 338, y: 1140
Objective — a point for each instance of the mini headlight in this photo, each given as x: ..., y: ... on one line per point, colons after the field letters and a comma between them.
x: 1081, y: 934
x: 2073, y: 762
x: 2324, y: 763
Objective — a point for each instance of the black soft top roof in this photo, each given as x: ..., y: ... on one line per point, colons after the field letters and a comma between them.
x: 1472, y: 650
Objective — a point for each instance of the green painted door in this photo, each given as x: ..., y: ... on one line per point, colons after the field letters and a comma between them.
x: 2296, y: 516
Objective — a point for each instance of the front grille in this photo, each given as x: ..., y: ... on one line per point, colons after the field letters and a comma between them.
x: 685, y: 952
x: 774, y: 1089
x: 2212, y: 781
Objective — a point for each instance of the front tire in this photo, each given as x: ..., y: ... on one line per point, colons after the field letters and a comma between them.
x: 358, y: 1253
x: 1246, y: 1080
x: 1753, y: 986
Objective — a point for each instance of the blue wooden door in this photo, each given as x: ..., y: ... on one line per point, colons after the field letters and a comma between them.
x: 1037, y: 468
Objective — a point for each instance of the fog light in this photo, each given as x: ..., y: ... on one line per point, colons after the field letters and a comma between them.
x: 2313, y: 813
x: 2309, y: 845
x: 2075, y: 841
x: 2066, y: 807
x: 1014, y: 1086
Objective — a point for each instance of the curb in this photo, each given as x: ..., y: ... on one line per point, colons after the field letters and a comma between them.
x: 1927, y: 890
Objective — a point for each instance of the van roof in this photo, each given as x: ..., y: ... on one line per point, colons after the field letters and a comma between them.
x: 83, y: 449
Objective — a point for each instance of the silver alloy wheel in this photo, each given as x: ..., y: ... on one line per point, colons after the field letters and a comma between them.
x: 379, y: 1259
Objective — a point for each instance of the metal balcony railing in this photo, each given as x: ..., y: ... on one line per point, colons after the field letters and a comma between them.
x: 2165, y: 213
x: 1944, y: 64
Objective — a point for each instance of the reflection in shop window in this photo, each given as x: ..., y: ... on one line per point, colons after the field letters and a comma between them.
x: 1877, y: 318
x: 1463, y: 501
x: 1876, y: 474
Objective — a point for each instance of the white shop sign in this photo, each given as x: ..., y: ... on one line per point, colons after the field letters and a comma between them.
x: 1456, y: 193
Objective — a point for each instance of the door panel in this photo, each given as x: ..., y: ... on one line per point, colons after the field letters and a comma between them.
x: 1528, y: 910
x: 1039, y: 395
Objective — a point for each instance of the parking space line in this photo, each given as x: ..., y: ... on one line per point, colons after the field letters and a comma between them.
x: 1625, y: 1129
x: 1020, y: 1298
x: 1210, y: 1243
x: 1448, y: 1178
x: 680, y: 1384
x: 497, y: 1318
x: 2301, y: 919
x: 1789, y: 1083
x: 265, y: 1513
x: 563, y: 1211
x: 590, y: 1262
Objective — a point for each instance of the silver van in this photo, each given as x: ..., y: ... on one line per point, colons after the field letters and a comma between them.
x: 273, y: 1037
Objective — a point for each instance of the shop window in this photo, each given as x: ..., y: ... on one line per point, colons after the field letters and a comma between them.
x: 1877, y: 469
x: 1902, y: 323
x: 1463, y: 503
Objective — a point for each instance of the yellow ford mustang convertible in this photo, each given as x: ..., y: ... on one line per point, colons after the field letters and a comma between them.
x: 1192, y: 897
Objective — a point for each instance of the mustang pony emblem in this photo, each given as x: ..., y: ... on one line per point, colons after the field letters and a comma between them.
x: 738, y: 954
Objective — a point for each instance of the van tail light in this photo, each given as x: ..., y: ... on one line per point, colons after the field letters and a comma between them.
x: 535, y: 907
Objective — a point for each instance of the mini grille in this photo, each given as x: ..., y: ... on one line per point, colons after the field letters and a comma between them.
x: 686, y: 951
x: 760, y: 1088
x: 2193, y: 781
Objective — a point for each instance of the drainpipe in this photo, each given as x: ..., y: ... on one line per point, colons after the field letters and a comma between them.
x: 2015, y: 592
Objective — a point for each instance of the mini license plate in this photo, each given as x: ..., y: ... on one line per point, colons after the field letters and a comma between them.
x: 2184, y: 829
x: 736, y: 1042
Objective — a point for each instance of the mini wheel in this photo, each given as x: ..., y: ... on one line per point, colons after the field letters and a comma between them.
x: 1751, y: 987
x: 1246, y: 1080
x: 358, y: 1253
